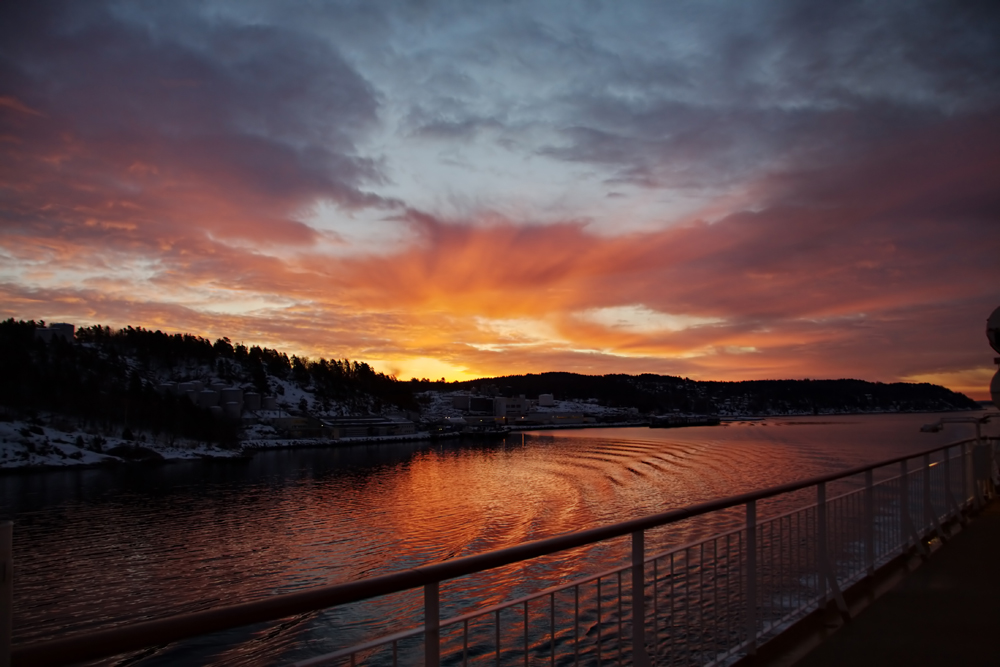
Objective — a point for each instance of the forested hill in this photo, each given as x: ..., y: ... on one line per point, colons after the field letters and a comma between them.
x: 113, y: 377
x: 661, y: 393
x: 107, y: 377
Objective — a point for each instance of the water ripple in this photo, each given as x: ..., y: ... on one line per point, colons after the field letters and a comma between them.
x: 103, y: 547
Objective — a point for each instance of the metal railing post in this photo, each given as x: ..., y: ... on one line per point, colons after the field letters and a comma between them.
x: 955, y: 507
x: 639, y: 656
x: 432, y: 626
x: 980, y: 474
x: 6, y: 590
x: 930, y: 516
x: 910, y: 533
x: 904, y: 506
x: 870, y: 521
x: 751, y: 580
x: 966, y: 495
x: 824, y: 575
x: 827, y: 573
x: 949, y: 501
x: 928, y: 507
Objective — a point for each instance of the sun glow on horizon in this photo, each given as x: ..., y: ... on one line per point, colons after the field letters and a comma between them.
x: 417, y: 368
x: 589, y: 200
x: 973, y: 382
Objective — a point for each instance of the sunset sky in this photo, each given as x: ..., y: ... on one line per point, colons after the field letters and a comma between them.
x: 718, y: 190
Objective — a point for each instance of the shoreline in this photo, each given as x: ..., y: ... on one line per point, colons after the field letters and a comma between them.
x: 247, y: 448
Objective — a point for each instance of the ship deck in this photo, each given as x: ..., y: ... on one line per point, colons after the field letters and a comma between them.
x: 938, y: 610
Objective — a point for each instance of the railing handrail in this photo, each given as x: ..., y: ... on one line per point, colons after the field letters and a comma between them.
x: 113, y: 641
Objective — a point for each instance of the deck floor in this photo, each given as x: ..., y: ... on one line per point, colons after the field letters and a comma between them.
x: 947, y: 612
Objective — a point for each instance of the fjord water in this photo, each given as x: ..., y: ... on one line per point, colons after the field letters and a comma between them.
x: 100, y: 547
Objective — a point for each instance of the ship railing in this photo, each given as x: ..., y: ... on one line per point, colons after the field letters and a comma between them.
x: 711, y: 601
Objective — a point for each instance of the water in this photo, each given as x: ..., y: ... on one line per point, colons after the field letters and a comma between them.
x: 101, y: 547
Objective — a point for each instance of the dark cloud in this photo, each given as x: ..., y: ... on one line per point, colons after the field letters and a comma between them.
x: 167, y: 114
x: 159, y: 159
x: 787, y: 82
x: 449, y: 126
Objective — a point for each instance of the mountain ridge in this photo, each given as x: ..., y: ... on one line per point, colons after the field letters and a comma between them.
x: 114, y: 379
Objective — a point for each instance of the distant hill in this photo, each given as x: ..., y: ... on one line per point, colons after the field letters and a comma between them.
x: 664, y: 393
x: 109, y: 379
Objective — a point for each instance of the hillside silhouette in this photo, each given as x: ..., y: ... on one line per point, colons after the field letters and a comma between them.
x: 111, y: 380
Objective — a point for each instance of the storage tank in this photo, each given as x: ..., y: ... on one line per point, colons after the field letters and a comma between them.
x: 208, y: 398
x: 270, y: 403
x: 215, y: 410
x: 251, y: 401
x: 231, y: 410
x: 231, y: 394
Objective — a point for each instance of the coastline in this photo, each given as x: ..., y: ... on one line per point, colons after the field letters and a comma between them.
x: 37, y: 448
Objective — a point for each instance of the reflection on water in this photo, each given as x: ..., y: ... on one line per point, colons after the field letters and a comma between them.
x: 102, y: 547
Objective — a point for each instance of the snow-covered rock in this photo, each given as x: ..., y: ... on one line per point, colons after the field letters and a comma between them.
x: 29, y: 444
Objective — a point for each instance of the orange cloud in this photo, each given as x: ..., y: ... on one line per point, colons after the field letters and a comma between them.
x: 469, y: 300
x: 187, y: 208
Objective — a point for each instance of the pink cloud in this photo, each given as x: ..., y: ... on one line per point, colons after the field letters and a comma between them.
x: 155, y: 189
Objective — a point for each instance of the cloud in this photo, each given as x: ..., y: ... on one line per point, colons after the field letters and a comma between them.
x: 768, y: 86
x: 717, y: 191
x: 847, y: 273
x: 183, y: 127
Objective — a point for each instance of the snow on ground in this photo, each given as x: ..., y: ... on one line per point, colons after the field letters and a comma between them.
x: 436, y: 405
x: 279, y: 443
x: 26, y: 444
x: 587, y: 407
x: 290, y: 394
x: 261, y: 431
x: 54, y: 442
